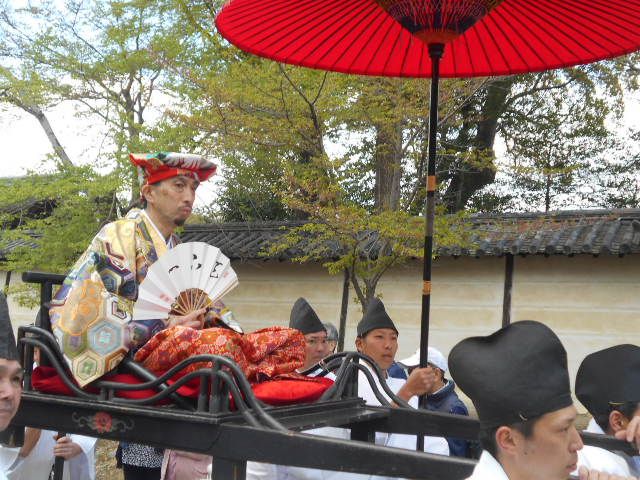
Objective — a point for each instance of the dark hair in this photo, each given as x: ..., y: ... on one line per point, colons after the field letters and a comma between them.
x: 487, y: 436
x: 627, y: 409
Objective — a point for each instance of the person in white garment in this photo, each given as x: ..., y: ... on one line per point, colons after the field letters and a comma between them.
x: 518, y: 381
x: 377, y: 337
x: 608, y: 385
x: 305, y: 319
x: 35, y: 459
x: 11, y: 372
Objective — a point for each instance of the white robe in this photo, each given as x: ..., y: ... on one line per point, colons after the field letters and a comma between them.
x: 597, y: 458
x: 438, y: 445
x: 488, y: 468
x: 38, y: 464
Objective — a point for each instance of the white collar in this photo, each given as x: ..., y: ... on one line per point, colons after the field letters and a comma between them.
x: 488, y: 468
x: 169, y: 242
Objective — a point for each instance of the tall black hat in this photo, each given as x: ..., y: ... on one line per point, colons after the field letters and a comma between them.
x: 8, y: 349
x: 516, y: 374
x: 375, y: 316
x: 304, y: 318
x: 608, y: 377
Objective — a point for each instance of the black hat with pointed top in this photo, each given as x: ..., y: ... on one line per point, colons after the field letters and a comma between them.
x: 609, y: 377
x: 375, y: 316
x: 304, y: 318
x: 516, y: 374
x: 8, y: 349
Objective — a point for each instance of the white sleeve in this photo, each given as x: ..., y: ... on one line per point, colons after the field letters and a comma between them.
x: 87, y: 444
x: 436, y: 445
x: 261, y: 471
x: 83, y: 466
x: 9, y: 458
x: 595, y: 458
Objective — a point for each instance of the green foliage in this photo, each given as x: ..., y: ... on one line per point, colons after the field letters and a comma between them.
x: 348, y: 237
x: 71, y: 206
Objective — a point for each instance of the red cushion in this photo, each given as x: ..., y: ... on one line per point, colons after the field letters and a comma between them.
x: 287, y: 391
x: 279, y: 391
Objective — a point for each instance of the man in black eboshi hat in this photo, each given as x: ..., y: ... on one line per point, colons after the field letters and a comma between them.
x: 608, y: 385
x: 10, y: 368
x: 305, y: 319
x: 377, y: 336
x: 518, y: 381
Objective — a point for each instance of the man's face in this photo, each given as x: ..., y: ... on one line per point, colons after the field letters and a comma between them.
x: 172, y: 199
x: 331, y: 347
x: 550, y: 453
x: 381, y: 344
x: 315, y: 348
x: 10, y: 390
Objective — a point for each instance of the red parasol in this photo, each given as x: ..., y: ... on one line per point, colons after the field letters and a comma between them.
x: 407, y: 38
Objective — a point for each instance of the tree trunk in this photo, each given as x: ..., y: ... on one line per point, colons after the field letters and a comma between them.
x: 547, y: 194
x: 388, y: 166
x: 37, y: 112
x: 480, y: 170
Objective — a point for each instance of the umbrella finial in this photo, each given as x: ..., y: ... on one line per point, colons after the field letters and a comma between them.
x: 438, y: 21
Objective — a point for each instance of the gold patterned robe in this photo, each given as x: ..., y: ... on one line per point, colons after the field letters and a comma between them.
x: 91, y: 312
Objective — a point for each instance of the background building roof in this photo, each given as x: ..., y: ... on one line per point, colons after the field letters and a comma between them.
x: 594, y: 232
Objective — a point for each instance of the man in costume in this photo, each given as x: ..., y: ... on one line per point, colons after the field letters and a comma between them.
x: 377, y: 337
x: 305, y: 319
x: 11, y: 372
x: 518, y: 381
x: 332, y: 338
x: 35, y: 459
x: 91, y: 312
x: 10, y: 369
x: 608, y: 385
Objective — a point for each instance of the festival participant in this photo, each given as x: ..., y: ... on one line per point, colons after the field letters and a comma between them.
x: 10, y: 373
x: 10, y: 369
x: 518, y: 381
x: 377, y: 337
x: 115, y: 264
x: 36, y: 457
x: 332, y: 338
x: 608, y: 385
x: 305, y: 319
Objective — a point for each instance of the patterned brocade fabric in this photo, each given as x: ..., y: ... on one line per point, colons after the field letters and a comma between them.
x: 91, y: 312
x: 263, y: 354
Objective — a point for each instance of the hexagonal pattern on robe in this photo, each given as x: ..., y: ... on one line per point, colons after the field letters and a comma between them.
x: 105, y: 337
x: 87, y: 367
x: 72, y: 345
x: 114, y: 360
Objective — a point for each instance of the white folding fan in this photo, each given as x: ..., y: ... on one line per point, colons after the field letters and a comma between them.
x: 188, y: 277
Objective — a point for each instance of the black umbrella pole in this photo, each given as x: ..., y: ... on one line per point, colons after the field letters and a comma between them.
x: 435, y: 52
x: 58, y: 465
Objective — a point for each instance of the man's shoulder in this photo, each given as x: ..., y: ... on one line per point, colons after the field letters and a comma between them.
x: 131, y: 219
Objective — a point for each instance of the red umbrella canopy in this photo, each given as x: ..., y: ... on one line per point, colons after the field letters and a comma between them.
x: 391, y: 37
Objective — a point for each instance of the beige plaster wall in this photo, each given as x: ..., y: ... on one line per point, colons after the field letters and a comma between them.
x: 19, y: 315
